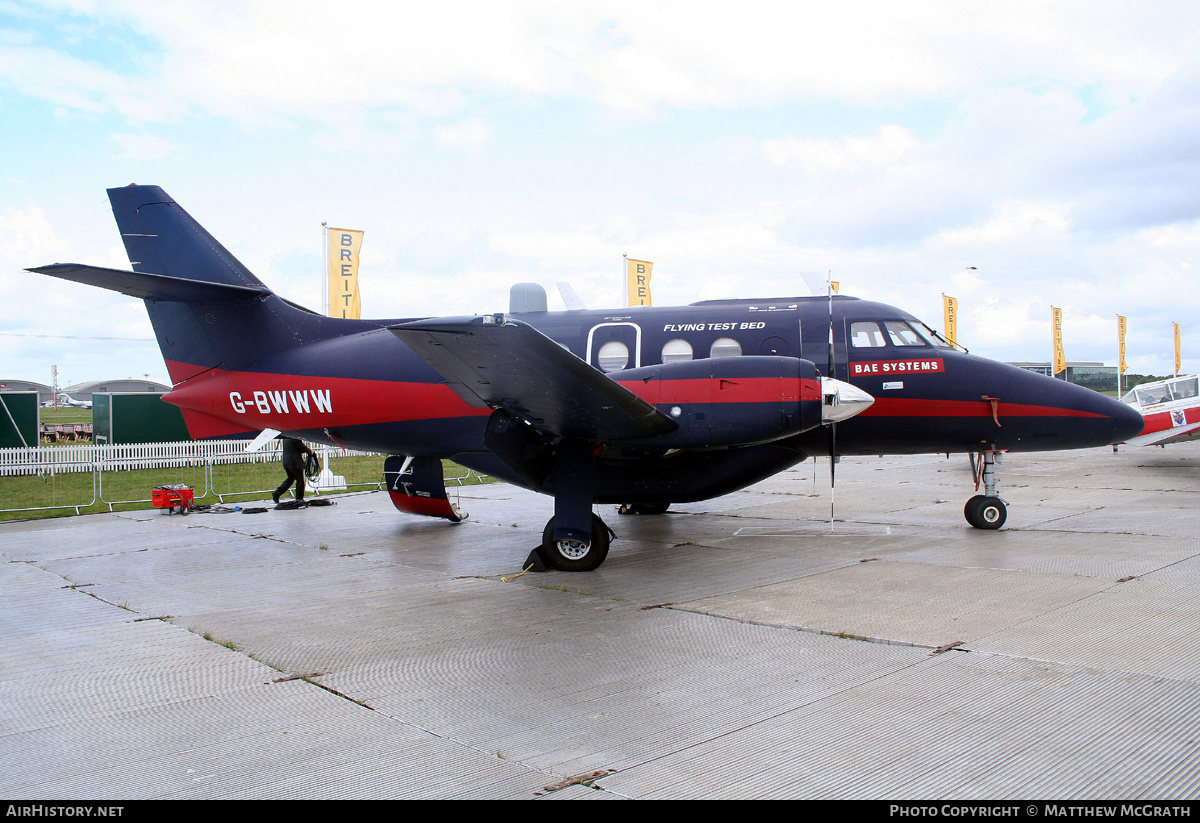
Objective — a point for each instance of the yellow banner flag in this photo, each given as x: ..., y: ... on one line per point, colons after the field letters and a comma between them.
x: 1178, y: 351
x: 833, y: 284
x: 950, y: 319
x: 1060, y: 358
x: 344, y: 248
x: 1121, y: 328
x: 637, y: 273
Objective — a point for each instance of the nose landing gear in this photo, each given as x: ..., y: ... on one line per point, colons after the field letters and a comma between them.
x: 986, y: 511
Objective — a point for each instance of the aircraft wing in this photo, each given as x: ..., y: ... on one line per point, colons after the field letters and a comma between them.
x: 1162, y: 438
x: 503, y: 363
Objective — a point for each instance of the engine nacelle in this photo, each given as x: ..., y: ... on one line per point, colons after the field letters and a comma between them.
x: 730, y: 401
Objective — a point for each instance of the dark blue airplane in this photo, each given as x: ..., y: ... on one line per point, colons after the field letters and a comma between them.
x: 641, y: 407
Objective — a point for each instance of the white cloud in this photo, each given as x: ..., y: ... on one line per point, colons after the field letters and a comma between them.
x: 556, y: 249
x: 25, y: 234
x: 849, y: 155
x: 144, y: 147
x: 257, y: 60
x: 472, y: 133
x: 48, y: 74
x: 1014, y: 222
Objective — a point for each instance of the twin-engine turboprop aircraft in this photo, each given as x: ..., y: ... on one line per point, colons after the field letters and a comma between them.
x: 1171, y: 409
x: 642, y: 407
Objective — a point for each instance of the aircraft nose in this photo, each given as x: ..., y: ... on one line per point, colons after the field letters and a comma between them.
x: 841, y: 400
x: 1127, y: 422
x: 1098, y: 420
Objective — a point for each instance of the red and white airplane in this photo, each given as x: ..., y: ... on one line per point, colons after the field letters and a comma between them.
x: 1171, y: 408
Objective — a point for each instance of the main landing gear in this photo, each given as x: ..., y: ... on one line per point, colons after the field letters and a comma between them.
x: 575, y: 539
x: 986, y: 511
x: 573, y: 554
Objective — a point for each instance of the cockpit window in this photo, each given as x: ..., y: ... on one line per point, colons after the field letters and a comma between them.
x: 1153, y: 395
x: 865, y: 335
x: 937, y: 340
x: 1183, y: 389
x: 902, y: 334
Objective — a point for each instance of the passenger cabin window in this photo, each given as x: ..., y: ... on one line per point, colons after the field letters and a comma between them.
x: 866, y: 335
x: 613, y: 356
x: 676, y: 350
x: 725, y: 347
x: 902, y: 334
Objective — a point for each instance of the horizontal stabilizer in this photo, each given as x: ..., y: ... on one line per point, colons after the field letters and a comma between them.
x: 506, y: 364
x: 152, y: 286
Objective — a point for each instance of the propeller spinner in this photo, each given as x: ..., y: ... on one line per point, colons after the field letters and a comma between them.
x: 841, y: 400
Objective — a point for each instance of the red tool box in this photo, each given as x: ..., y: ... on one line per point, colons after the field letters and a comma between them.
x: 170, y: 497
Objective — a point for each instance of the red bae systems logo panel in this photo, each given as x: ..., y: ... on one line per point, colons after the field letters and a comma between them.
x: 889, y: 367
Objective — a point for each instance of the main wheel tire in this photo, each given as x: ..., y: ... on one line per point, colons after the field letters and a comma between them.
x: 987, y: 513
x: 969, y: 509
x: 573, y: 555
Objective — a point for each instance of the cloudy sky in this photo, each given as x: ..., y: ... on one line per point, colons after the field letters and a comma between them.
x: 1054, y: 147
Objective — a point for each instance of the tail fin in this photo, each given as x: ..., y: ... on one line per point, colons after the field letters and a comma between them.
x: 207, y: 309
x: 162, y: 238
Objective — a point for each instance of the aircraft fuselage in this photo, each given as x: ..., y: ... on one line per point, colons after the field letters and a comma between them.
x: 368, y: 391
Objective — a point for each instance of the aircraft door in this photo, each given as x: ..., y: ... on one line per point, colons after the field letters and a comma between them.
x: 775, y: 346
x: 615, y: 346
x: 815, y: 324
x: 840, y: 352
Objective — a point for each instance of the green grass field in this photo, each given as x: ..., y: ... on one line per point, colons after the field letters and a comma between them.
x: 232, y: 484
x: 64, y: 415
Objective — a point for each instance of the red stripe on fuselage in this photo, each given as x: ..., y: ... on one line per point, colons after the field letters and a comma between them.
x: 725, y: 390
x: 922, y: 407
x: 200, y: 425
x: 252, y: 401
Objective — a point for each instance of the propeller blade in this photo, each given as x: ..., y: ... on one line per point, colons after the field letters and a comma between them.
x: 832, y: 469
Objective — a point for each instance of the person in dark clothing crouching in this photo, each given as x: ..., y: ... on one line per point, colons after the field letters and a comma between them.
x: 294, y: 455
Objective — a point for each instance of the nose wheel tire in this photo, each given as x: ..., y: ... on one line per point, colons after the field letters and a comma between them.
x: 576, y: 555
x: 985, y: 512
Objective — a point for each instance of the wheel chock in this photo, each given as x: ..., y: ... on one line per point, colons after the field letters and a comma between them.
x: 537, y: 559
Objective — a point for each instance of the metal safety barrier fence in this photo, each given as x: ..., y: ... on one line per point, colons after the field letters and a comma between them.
x: 101, y: 476
x: 132, y: 455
